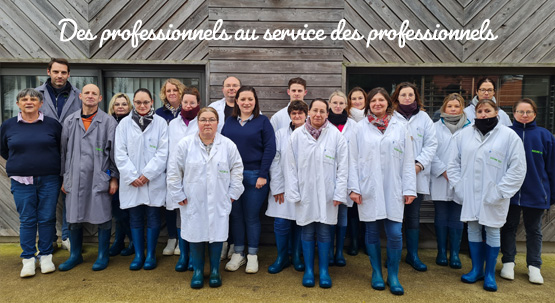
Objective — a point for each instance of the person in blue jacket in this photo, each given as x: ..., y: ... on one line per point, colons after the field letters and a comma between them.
x: 536, y: 194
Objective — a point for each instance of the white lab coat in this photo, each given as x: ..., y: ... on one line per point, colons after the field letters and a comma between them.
x: 277, y: 178
x: 381, y: 170
x: 281, y: 118
x: 219, y: 106
x: 349, y: 134
x: 470, y: 112
x: 142, y: 153
x: 439, y: 186
x: 317, y: 172
x: 486, y: 174
x: 208, y: 182
x: 424, y: 142
x: 177, y: 130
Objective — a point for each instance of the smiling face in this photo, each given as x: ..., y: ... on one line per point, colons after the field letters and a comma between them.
x: 231, y: 85
x: 207, y: 125
x: 246, y: 103
x: 485, y: 111
x: 318, y: 114
x: 485, y: 91
x: 296, y: 92
x: 189, y: 102
x: 524, y: 113
x: 58, y: 74
x: 338, y: 104
x: 29, y: 105
x: 121, y: 107
x: 453, y: 107
x: 357, y: 100
x: 298, y: 117
x: 172, y: 94
x: 406, y: 96
x: 90, y: 96
x: 378, y: 105
x: 142, y: 102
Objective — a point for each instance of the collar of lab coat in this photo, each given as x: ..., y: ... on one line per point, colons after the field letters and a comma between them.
x: 215, y: 146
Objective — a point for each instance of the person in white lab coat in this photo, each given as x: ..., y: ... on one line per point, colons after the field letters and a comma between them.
x: 286, y: 229
x: 487, y: 168
x: 205, y: 175
x: 382, y: 180
x: 317, y: 170
x: 296, y: 89
x: 447, y: 220
x: 410, y: 109
x: 338, y: 116
x: 485, y: 89
x: 184, y: 125
x: 141, y: 155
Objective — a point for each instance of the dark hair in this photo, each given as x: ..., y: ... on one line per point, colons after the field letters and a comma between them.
x: 528, y: 101
x: 143, y: 90
x: 236, y: 111
x: 297, y: 80
x: 297, y: 105
x: 395, y: 96
x: 372, y: 94
x: 59, y: 61
x: 354, y: 90
x: 319, y: 100
x: 487, y: 101
x: 191, y: 91
x: 31, y: 92
x: 482, y: 81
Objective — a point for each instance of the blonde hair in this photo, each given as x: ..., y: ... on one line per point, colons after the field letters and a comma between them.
x: 451, y: 97
x: 208, y: 109
x: 180, y: 87
x: 113, y: 101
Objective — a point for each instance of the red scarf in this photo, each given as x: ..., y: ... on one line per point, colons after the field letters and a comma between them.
x: 188, y: 115
x: 380, y: 123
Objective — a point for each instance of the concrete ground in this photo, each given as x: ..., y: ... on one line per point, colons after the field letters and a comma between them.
x: 350, y: 284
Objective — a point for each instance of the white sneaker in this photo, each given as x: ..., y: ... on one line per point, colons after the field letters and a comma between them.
x: 66, y: 245
x: 231, y: 251
x: 508, y: 271
x: 236, y: 261
x: 252, y: 264
x: 177, y: 250
x: 46, y: 265
x: 29, y: 266
x: 223, y: 256
x: 534, y: 275
x: 170, y: 247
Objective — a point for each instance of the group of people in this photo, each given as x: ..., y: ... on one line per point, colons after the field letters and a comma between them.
x: 363, y: 157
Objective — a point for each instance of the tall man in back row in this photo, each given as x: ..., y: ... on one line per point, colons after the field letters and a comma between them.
x: 60, y: 100
x: 296, y: 91
x: 224, y: 106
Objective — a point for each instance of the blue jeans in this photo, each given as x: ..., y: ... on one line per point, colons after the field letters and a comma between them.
x: 412, y: 213
x: 448, y: 214
x: 532, y: 218
x: 393, y: 232
x: 475, y: 234
x: 137, y: 216
x: 245, y: 214
x: 121, y: 215
x: 36, y: 205
x: 171, y: 223
x: 320, y: 231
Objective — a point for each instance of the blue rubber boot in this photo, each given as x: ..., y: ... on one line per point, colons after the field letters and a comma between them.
x: 282, y: 260
x: 412, y: 250
x: 197, y: 256
x: 455, y: 236
x: 375, y: 255
x: 491, y: 254
x: 298, y: 264
x: 308, y: 254
x: 323, y: 263
x: 75, y: 257
x: 331, y: 257
x: 215, y: 250
x: 441, y: 236
x: 151, y: 241
x: 339, y: 244
x: 393, y: 260
x: 183, y: 261
x: 477, y: 257
x: 139, y: 245
x: 119, y: 239
x: 129, y: 250
x: 353, y: 229
x: 103, y: 249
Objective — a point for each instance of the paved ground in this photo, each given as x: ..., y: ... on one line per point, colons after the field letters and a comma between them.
x: 350, y: 284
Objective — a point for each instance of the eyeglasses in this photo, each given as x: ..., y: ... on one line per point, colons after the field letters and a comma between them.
x: 211, y: 120
x: 528, y: 112
x: 230, y: 86
x: 140, y: 103
x: 483, y: 90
